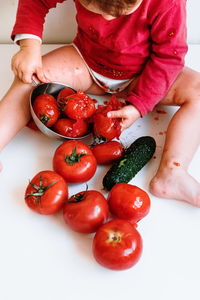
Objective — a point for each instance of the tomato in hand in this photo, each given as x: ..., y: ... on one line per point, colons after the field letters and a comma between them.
x: 128, y: 202
x: 117, y: 245
x: 86, y: 211
x: 71, y: 128
x: 46, y: 193
x: 46, y: 109
x: 107, y: 152
x: 79, y: 106
x: 104, y: 127
x: 62, y: 97
x: 74, y: 161
x: 107, y: 128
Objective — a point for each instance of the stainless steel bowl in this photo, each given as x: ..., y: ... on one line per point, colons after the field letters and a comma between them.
x: 52, y: 88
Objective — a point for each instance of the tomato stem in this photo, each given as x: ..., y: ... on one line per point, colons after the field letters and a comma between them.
x: 114, y: 237
x: 98, y: 139
x: 44, y: 119
x: 74, y: 157
x: 40, y: 190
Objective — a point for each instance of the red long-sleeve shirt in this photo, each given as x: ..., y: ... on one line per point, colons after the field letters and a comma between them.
x: 151, y: 42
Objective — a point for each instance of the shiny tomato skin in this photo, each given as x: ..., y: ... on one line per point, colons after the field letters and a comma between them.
x: 46, y: 109
x: 109, y: 128
x: 79, y: 106
x: 107, y: 152
x: 79, y: 171
x: 52, y: 199
x: 117, y: 245
x: 70, y: 128
x: 88, y: 214
x: 65, y: 93
x: 62, y: 97
x: 128, y: 202
x: 31, y: 124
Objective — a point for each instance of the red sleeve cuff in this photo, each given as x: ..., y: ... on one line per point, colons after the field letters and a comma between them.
x: 138, y: 103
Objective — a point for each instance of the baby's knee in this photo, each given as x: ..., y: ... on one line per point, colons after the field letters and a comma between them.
x: 189, y: 90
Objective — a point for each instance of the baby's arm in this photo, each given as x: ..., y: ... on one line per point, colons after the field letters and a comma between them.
x: 30, y: 19
x: 169, y: 46
x: 28, y: 61
x: 168, y: 33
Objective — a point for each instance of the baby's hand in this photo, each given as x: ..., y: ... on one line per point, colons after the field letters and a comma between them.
x: 129, y: 114
x: 28, y: 61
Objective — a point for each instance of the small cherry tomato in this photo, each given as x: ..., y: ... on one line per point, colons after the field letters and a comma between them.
x: 86, y: 211
x: 128, y: 202
x: 46, y: 193
x: 79, y: 106
x: 62, y: 97
x: 46, y: 109
x: 117, y: 245
x: 71, y: 128
x: 74, y: 161
x: 107, y: 152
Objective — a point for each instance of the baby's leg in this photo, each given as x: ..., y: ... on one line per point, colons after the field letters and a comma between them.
x: 182, y: 140
x: 62, y: 65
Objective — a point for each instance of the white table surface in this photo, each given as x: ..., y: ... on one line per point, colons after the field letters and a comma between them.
x: 40, y: 258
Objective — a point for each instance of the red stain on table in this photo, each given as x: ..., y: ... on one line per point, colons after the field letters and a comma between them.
x: 176, y: 164
x: 160, y: 111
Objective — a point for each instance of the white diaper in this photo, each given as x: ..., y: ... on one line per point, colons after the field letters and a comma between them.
x: 109, y: 85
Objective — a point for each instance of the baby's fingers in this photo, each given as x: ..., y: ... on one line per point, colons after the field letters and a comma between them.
x: 26, y: 77
x: 115, y: 114
x: 125, y: 123
x: 40, y: 75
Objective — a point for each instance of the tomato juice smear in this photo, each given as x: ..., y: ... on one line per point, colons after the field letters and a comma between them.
x: 177, y: 164
x: 160, y: 111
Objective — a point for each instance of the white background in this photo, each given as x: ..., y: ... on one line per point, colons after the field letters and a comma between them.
x: 63, y: 17
x: 41, y: 258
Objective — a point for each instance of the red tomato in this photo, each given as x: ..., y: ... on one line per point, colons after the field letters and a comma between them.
x: 46, y: 193
x: 74, y: 161
x: 46, y: 109
x: 31, y: 124
x: 86, y: 211
x: 128, y: 202
x: 107, y: 128
x: 117, y: 245
x: 62, y: 97
x: 79, y: 106
x: 104, y: 127
x: 107, y: 152
x: 71, y: 128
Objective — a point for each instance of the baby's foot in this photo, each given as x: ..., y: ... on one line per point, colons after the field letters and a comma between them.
x: 176, y: 183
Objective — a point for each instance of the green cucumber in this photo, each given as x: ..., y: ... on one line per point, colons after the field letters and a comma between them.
x: 131, y: 162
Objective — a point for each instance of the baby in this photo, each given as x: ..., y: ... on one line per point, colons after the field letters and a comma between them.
x: 134, y: 48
